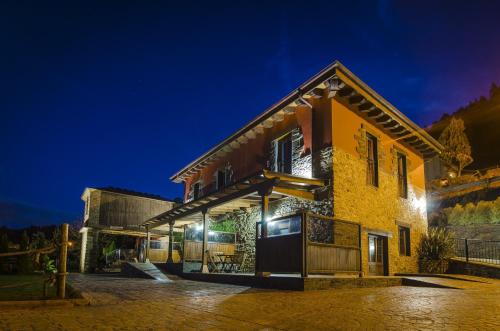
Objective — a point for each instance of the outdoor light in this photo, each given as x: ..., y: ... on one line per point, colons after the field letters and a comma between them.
x: 211, y: 233
x: 199, y: 227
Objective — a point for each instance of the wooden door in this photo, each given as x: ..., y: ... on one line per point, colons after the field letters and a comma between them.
x: 376, y: 255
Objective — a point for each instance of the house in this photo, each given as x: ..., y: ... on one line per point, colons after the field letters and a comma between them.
x: 329, y: 180
x: 116, y: 215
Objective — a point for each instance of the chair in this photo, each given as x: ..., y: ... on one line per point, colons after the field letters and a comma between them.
x: 237, y: 261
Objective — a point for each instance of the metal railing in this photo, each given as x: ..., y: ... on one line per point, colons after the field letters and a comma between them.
x: 476, y: 250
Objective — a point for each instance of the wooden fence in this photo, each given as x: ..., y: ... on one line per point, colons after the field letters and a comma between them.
x: 308, y: 243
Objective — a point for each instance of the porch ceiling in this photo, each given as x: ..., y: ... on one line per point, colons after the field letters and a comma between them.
x: 239, y: 196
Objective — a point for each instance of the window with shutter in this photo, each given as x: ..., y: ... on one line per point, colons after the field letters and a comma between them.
x: 371, y: 160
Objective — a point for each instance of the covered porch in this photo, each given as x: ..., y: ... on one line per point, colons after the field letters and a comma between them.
x: 282, y: 236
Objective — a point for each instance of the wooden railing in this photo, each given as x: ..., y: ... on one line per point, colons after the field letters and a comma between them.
x: 320, y: 245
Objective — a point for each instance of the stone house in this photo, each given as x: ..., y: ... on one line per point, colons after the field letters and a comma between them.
x: 118, y: 213
x: 328, y: 180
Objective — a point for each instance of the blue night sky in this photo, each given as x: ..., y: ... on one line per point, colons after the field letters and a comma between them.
x: 125, y: 93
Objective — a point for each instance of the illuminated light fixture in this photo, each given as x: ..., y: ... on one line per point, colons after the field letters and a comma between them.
x: 211, y: 233
x: 199, y: 227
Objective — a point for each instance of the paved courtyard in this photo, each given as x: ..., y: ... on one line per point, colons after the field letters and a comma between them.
x: 141, y: 304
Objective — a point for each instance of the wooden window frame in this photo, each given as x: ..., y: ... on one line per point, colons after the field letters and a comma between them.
x: 404, y: 240
x: 402, y: 174
x: 278, y: 142
x: 218, y: 185
x: 372, y: 161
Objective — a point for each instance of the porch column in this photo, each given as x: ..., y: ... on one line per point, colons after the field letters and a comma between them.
x: 204, y: 257
x: 170, y: 241
x: 148, y: 241
x: 264, y: 213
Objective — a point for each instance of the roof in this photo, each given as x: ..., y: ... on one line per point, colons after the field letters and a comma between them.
x: 130, y: 192
x: 337, y: 78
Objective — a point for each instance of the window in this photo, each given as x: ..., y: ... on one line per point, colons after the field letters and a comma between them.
x: 220, y: 179
x: 284, y: 154
x: 87, y: 206
x: 402, y: 176
x: 404, y: 241
x: 196, y: 190
x: 372, y: 160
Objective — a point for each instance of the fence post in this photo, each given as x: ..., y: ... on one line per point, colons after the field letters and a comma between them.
x: 63, y: 254
x: 305, y: 272
x: 466, y: 251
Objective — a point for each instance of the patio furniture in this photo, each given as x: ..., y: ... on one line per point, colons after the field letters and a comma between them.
x: 226, y: 261
x: 213, y: 264
x: 237, y: 261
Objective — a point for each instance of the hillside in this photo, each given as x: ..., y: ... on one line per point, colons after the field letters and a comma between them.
x: 482, y: 123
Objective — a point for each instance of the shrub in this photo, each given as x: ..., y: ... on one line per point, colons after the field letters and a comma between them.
x: 436, y: 247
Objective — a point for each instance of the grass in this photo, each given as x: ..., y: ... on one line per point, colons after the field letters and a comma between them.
x: 24, y: 287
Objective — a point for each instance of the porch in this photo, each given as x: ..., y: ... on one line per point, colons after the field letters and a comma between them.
x: 283, y: 238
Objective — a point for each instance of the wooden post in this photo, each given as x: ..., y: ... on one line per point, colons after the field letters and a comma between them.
x: 170, y: 241
x: 304, y: 219
x: 466, y: 251
x: 264, y: 213
x: 360, y: 251
x: 148, y: 243
x: 63, y: 255
x: 204, y: 257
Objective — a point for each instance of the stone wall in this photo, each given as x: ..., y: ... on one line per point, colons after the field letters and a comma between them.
x: 378, y: 209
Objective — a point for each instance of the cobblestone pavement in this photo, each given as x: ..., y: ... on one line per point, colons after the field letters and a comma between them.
x: 141, y: 304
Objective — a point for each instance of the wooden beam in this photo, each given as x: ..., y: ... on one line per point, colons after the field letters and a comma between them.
x: 288, y: 110
x: 376, y: 113
x: 268, y: 123
x: 316, y: 93
x: 250, y: 134
x: 334, y: 86
x: 356, y: 99
x: 294, y: 193
x: 366, y: 107
x: 279, y: 116
x: 295, y: 179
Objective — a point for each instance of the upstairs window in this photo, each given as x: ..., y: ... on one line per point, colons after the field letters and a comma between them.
x: 372, y: 160
x: 283, y: 152
x: 196, y: 190
x: 404, y: 241
x: 220, y: 179
x: 402, y: 176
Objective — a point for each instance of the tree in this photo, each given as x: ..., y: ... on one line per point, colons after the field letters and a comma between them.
x: 457, y: 150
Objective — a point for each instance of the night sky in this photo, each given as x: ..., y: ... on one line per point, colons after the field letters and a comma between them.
x: 126, y: 93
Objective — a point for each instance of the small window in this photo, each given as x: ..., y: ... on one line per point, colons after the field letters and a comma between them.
x: 404, y: 241
x: 402, y: 176
x: 284, y: 154
x: 372, y: 160
x: 220, y: 179
x: 196, y: 190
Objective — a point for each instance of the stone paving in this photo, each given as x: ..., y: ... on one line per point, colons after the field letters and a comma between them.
x: 142, y: 304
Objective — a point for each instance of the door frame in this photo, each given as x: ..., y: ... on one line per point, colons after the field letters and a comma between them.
x: 385, y: 253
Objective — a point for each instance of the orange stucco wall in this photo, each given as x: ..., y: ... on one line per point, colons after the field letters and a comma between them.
x: 346, y: 124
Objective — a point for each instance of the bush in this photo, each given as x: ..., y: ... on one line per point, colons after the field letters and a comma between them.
x: 436, y: 247
x: 484, y: 212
